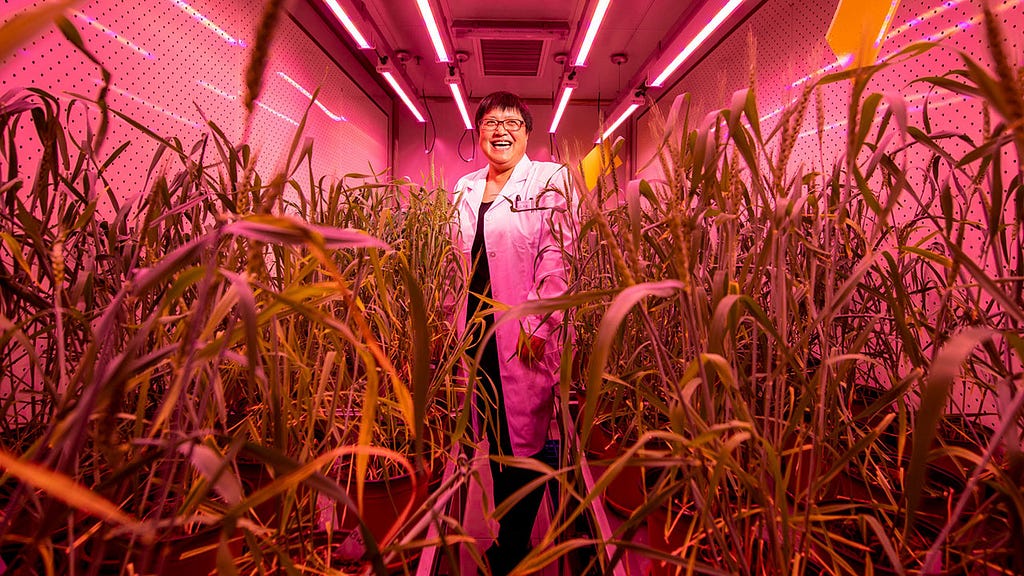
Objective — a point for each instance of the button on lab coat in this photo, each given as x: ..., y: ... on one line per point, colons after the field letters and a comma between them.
x: 528, y: 232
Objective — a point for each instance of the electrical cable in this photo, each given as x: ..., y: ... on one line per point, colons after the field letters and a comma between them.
x: 433, y: 138
x: 459, y: 147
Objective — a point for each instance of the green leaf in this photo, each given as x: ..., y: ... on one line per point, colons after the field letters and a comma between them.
x: 28, y: 23
x: 606, y: 335
x: 944, y: 369
x: 867, y: 118
x: 215, y: 469
x: 15, y: 247
x: 420, y: 353
x: 66, y: 490
x: 939, y: 259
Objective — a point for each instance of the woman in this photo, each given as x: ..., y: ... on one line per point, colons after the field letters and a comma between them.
x: 515, y: 232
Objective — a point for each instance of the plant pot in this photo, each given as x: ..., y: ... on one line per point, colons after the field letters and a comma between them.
x: 667, y: 534
x: 178, y: 555
x: 867, y: 408
x: 383, y: 506
x: 963, y: 432
x: 802, y: 470
x: 384, y: 502
x: 254, y: 476
x: 20, y: 554
x: 626, y: 491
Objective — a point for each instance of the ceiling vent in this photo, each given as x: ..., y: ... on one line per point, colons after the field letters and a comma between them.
x: 507, y: 57
x: 512, y: 47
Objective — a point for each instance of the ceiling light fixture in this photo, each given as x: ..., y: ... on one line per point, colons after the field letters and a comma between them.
x: 433, y: 30
x: 631, y: 106
x: 591, y: 34
x: 460, y: 101
x: 349, y: 25
x: 391, y: 75
x: 698, y: 39
x: 565, y: 92
x: 454, y: 82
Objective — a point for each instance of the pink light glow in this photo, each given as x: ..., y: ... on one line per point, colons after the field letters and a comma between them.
x: 230, y: 96
x: 307, y: 94
x: 932, y: 106
x: 276, y: 113
x: 961, y: 26
x: 216, y: 90
x: 923, y: 17
x: 697, y: 40
x: 562, y: 103
x: 401, y: 94
x: 349, y: 25
x: 841, y: 62
x: 432, y: 29
x: 941, y: 103
x: 592, y: 28
x: 207, y: 22
x: 461, y: 103
x: 893, y: 4
x: 121, y: 39
x: 148, y: 104
x: 622, y: 118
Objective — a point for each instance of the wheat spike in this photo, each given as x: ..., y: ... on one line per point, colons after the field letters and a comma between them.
x: 1009, y: 83
x: 261, y: 52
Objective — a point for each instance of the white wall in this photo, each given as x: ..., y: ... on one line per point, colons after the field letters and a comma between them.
x: 170, y: 60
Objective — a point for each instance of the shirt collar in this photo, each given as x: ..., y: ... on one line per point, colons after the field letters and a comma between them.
x: 474, y: 190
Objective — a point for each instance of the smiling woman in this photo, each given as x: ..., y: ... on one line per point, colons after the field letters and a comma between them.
x: 501, y: 118
x: 513, y: 256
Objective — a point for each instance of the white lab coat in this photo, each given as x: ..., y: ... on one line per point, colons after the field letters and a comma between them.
x: 528, y: 230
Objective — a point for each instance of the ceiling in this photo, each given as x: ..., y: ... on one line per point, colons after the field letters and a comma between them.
x: 522, y: 45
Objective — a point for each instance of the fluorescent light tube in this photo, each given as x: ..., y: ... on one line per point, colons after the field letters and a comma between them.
x: 390, y: 77
x: 697, y: 40
x: 588, y: 38
x: 622, y: 118
x: 562, y: 103
x: 433, y: 30
x: 349, y: 25
x: 461, y: 103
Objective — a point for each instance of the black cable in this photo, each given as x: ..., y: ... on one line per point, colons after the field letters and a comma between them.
x: 553, y: 143
x: 459, y: 147
x: 433, y: 139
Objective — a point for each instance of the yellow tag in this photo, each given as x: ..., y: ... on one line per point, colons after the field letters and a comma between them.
x: 858, y: 28
x: 594, y: 164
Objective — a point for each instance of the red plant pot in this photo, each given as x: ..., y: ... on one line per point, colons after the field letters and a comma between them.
x: 666, y: 537
x: 384, y: 502
x: 625, y: 493
x: 172, y: 556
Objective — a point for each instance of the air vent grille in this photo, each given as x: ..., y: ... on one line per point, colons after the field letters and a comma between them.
x: 508, y: 57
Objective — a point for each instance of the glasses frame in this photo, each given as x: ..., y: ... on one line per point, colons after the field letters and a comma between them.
x: 483, y: 128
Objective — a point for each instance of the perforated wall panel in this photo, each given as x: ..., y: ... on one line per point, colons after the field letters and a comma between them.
x: 786, y: 41
x: 174, y: 62
x: 789, y: 48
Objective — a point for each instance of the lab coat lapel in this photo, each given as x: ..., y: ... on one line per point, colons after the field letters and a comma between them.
x: 470, y: 197
x: 520, y: 173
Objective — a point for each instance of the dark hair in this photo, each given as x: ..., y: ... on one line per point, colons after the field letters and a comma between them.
x: 504, y: 101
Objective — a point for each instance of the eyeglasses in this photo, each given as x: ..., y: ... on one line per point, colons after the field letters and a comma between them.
x: 510, y: 124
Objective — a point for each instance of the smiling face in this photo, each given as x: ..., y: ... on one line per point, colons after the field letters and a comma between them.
x: 503, y: 148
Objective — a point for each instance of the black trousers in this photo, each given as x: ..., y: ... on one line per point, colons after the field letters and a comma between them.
x: 513, y: 541
x: 515, y: 527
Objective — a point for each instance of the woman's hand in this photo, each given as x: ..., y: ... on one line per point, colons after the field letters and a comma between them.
x: 530, y: 348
